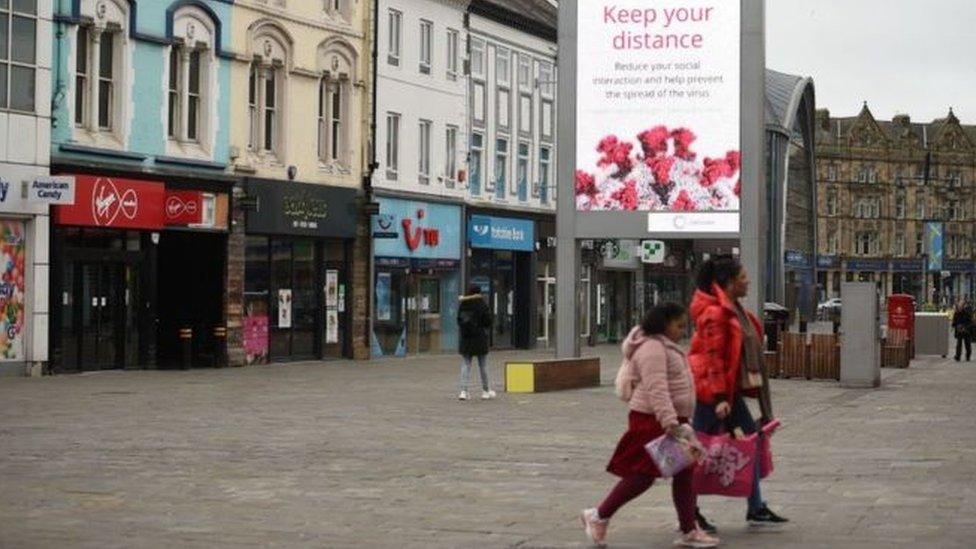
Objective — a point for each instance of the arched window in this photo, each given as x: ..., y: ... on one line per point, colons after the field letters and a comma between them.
x: 267, y: 86
x: 336, y: 61
x: 101, y: 87
x: 191, y: 83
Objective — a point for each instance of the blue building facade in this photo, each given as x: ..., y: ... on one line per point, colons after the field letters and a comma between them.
x: 141, y: 117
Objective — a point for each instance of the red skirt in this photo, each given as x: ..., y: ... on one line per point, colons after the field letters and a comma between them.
x: 630, y: 457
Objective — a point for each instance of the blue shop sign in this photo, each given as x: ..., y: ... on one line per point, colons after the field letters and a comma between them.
x: 417, y: 230
x: 870, y: 265
x: 795, y: 258
x: 907, y: 265
x: 501, y: 233
x: 958, y: 265
x: 828, y: 261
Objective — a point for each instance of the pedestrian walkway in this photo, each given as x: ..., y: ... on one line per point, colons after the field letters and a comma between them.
x: 381, y: 454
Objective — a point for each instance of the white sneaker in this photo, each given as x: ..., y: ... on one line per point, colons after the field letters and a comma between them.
x: 463, y: 395
x: 488, y: 395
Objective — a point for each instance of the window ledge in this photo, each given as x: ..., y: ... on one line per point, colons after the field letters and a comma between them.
x: 99, y: 139
x: 333, y: 168
x: 100, y: 151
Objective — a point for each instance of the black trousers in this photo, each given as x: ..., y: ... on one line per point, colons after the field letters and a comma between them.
x: 964, y: 340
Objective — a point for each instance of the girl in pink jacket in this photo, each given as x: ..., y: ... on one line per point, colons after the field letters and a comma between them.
x: 663, y: 399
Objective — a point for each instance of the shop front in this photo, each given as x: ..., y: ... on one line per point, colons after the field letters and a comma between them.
x: 959, y: 282
x: 619, y: 291
x: 545, y: 297
x: 135, y: 263
x: 25, y: 196
x: 670, y: 280
x: 502, y: 264
x: 868, y: 270
x: 297, y: 271
x: 907, y: 277
x: 417, y: 280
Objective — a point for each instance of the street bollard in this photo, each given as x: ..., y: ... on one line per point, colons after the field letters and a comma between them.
x: 186, y: 341
x: 220, y: 346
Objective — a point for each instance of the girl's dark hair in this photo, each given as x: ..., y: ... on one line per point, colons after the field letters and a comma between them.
x: 718, y: 270
x: 474, y: 289
x: 657, y: 319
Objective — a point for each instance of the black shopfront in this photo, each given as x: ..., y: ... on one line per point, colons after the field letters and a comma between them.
x: 298, y: 254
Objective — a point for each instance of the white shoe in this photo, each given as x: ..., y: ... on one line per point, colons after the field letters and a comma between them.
x: 488, y: 395
x: 463, y: 395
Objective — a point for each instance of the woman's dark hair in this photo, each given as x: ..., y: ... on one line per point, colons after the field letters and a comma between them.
x: 718, y: 270
x: 657, y: 319
x: 474, y: 289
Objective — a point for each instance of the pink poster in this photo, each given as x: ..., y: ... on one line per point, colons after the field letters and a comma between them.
x: 12, y: 261
x: 256, y: 338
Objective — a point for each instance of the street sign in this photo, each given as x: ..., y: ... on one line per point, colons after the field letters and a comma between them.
x: 652, y: 251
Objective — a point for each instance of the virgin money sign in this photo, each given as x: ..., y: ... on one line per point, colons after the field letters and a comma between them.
x: 114, y: 202
x: 184, y: 207
x: 657, y: 121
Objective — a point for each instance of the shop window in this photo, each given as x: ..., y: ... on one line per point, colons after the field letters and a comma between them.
x: 18, y: 51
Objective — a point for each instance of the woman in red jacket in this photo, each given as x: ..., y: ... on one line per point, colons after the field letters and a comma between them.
x: 726, y: 360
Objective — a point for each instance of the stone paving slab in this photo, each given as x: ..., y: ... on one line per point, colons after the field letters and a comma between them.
x: 380, y: 454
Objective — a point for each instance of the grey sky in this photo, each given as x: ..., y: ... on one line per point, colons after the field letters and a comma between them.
x: 901, y: 56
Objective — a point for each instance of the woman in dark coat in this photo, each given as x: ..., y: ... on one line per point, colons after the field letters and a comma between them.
x: 962, y: 325
x: 474, y: 323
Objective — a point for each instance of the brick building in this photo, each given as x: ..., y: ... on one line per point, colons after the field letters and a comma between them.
x: 881, y: 183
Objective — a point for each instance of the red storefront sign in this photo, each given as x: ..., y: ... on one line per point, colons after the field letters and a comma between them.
x: 114, y: 202
x: 184, y: 207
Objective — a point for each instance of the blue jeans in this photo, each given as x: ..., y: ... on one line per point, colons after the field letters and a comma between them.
x: 466, y: 371
x: 707, y: 422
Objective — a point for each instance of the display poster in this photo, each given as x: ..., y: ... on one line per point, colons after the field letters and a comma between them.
x: 256, y: 338
x: 331, y: 326
x: 284, y: 308
x: 331, y: 288
x: 933, y: 244
x: 383, y: 309
x: 658, y: 111
x: 12, y: 295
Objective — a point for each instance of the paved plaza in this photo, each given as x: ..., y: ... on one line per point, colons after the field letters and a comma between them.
x: 381, y: 454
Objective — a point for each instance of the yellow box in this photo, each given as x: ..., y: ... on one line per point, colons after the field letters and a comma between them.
x: 520, y: 377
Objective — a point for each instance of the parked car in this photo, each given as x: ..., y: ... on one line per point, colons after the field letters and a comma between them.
x: 829, y: 308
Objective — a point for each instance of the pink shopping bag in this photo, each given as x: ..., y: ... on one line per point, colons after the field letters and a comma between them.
x: 727, y: 467
x: 670, y: 455
x: 765, y: 452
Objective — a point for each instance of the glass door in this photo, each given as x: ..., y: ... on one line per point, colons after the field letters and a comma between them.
x: 100, y: 287
x: 503, y: 296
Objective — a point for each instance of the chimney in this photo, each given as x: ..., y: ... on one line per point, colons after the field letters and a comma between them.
x: 823, y: 119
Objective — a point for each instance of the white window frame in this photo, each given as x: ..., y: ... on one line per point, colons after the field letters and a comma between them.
x: 453, y: 45
x: 426, y: 46
x: 394, y: 48
x: 450, y: 156
x: 393, y: 125
x: 524, y: 72
x: 503, y: 76
x: 901, y: 204
x: 831, y: 202
x: 424, y: 130
x: 500, y: 171
x: 478, y: 58
x: 547, y: 79
x: 899, y: 245
x: 523, y: 170
x: 331, y: 127
x: 476, y: 164
x: 545, y: 173
x: 9, y: 65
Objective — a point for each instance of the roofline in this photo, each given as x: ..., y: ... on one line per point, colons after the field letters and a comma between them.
x: 512, y: 19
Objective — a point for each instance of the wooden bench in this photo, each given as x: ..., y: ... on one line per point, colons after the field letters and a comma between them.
x: 794, y: 356
x: 897, y: 349
x: 825, y: 356
x: 541, y: 376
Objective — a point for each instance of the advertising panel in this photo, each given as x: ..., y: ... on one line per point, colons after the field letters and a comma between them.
x: 933, y: 245
x: 114, y: 202
x: 501, y: 233
x: 12, y: 295
x: 419, y: 230
x: 658, y: 112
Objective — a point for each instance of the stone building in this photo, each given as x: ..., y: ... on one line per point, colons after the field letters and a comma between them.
x: 884, y: 184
